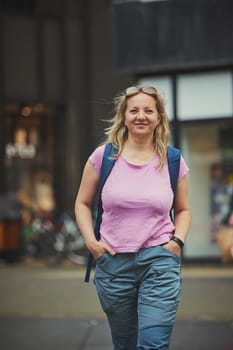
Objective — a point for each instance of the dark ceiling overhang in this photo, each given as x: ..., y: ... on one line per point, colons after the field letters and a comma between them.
x: 163, y: 35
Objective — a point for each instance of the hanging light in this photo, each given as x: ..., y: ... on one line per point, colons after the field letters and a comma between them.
x: 26, y: 111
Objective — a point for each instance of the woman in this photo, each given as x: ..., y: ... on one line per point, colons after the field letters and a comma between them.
x: 137, y: 257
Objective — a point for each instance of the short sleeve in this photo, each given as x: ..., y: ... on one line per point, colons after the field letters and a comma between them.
x: 96, y: 158
x: 184, y: 169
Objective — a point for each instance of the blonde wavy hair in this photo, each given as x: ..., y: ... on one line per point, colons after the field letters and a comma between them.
x: 117, y: 133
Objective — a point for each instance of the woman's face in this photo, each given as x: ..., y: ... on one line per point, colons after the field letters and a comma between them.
x: 141, y: 115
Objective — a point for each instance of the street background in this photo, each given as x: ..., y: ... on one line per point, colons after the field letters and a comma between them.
x: 61, y: 64
x: 52, y: 308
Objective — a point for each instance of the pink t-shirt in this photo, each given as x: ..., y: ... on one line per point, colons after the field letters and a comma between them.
x: 136, y: 202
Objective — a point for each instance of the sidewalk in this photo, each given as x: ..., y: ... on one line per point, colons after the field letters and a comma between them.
x: 79, y: 334
x: 51, y: 309
x: 31, y: 289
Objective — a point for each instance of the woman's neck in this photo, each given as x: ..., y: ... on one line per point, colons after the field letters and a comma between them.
x: 138, y: 152
x: 139, y: 145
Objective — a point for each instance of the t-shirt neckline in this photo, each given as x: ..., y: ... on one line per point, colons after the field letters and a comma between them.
x: 139, y: 165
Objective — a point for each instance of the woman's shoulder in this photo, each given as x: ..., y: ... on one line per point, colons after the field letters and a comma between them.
x: 184, y: 168
x: 99, y: 149
x: 96, y: 157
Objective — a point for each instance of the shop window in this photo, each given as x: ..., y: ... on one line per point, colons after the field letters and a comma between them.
x: 208, y: 150
x: 204, y: 95
x: 29, y: 154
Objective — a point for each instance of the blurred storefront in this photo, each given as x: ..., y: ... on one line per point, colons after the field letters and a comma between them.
x: 43, y: 86
x: 42, y: 100
x: 29, y: 153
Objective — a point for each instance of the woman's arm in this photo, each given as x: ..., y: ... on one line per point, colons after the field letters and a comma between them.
x: 83, y: 211
x: 181, y: 209
x: 182, y: 216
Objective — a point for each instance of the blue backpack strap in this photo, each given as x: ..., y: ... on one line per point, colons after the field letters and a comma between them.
x: 106, y: 167
x: 173, y: 159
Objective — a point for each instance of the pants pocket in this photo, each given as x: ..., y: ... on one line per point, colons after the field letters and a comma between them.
x: 169, y: 253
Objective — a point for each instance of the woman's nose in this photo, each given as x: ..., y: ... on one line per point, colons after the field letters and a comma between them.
x: 141, y: 115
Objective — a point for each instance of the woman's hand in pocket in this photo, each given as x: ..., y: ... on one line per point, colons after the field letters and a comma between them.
x: 173, y: 247
x: 98, y: 248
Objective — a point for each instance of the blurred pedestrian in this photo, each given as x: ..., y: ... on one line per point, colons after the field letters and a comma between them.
x: 138, y: 256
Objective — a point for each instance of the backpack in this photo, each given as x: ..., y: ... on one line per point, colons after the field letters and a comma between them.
x: 173, y: 158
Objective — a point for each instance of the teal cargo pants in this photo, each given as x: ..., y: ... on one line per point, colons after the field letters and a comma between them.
x: 139, y: 293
